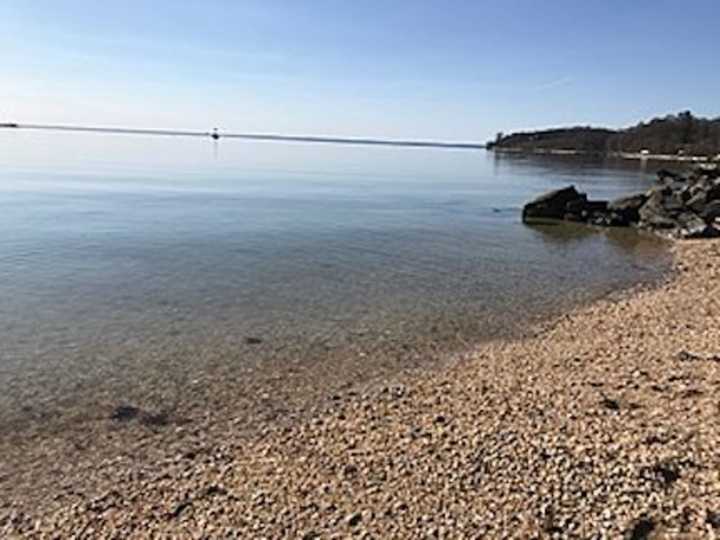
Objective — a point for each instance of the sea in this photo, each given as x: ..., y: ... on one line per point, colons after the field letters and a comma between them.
x: 179, y: 274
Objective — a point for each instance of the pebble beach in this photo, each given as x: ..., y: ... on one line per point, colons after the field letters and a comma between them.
x: 601, y: 423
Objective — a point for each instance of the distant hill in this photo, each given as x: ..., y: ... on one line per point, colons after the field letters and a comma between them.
x: 674, y: 134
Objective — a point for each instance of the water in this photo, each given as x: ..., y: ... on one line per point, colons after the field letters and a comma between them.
x: 134, y: 270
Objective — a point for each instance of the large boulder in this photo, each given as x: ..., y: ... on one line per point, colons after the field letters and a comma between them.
x: 553, y: 204
x: 627, y: 209
x: 658, y: 210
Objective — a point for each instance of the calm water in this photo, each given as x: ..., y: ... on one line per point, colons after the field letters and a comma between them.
x: 129, y: 267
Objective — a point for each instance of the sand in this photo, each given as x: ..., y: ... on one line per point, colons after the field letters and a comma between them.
x: 602, y: 423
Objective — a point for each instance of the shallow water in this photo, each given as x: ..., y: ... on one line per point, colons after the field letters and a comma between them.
x: 131, y: 267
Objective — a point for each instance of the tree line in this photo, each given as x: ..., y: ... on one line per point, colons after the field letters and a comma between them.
x: 673, y: 134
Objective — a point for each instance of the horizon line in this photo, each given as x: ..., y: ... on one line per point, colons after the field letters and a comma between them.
x: 269, y: 137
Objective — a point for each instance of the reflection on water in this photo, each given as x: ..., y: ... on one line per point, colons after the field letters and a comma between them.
x: 131, y: 270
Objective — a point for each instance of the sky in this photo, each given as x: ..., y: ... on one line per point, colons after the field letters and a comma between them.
x: 441, y: 69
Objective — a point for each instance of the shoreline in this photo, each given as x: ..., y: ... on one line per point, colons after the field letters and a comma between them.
x: 607, y: 155
x: 561, y: 430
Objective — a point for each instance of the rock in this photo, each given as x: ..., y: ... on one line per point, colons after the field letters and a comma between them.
x: 641, y: 529
x: 354, y: 520
x: 155, y: 419
x: 711, y: 170
x: 612, y: 404
x: 573, y: 217
x: 551, y: 205
x: 698, y: 201
x: 350, y: 470
x: 654, y: 216
x: 213, y: 490
x: 664, y: 473
x: 693, y: 226
x: 596, y: 206
x: 713, y: 519
x: 179, y: 508
x: 123, y: 413
x: 685, y: 356
x: 711, y: 212
x: 576, y: 206
x: 664, y: 175
x: 714, y: 191
x: 680, y: 206
x: 628, y: 208
x: 252, y: 340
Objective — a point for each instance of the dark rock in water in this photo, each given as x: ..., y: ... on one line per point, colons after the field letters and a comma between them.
x: 252, y: 340
x: 573, y: 217
x: 126, y: 413
x: 576, y: 206
x: 552, y: 205
x: 664, y: 175
x: 155, y: 419
x: 682, y: 206
x: 596, y: 206
x: 123, y: 413
x: 627, y: 209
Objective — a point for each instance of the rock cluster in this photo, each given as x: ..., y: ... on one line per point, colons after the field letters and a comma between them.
x: 680, y: 206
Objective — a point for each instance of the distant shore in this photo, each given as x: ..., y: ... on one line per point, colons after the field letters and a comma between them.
x: 614, y: 155
x: 679, y: 137
x: 603, y: 422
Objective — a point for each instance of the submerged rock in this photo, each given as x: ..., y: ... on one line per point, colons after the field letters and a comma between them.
x: 123, y: 413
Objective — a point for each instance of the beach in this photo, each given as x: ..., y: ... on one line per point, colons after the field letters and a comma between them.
x: 602, y: 422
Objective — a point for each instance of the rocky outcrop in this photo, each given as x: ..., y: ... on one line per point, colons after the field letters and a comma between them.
x: 681, y: 206
x: 566, y: 203
x: 552, y: 205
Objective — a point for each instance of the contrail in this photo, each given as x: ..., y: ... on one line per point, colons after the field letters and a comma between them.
x: 272, y: 137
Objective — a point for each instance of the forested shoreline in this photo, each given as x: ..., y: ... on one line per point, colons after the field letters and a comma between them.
x: 677, y: 134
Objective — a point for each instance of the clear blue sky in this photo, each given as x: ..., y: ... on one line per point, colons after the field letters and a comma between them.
x: 413, y: 68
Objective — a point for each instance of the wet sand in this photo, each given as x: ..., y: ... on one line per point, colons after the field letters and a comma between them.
x: 598, y: 423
